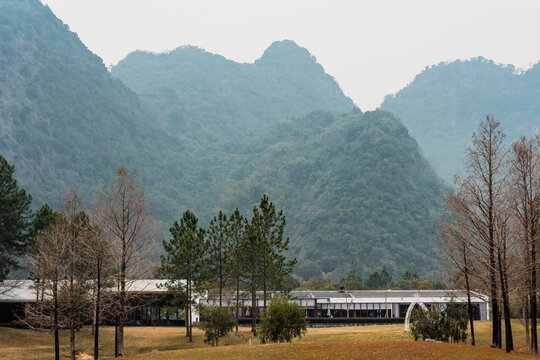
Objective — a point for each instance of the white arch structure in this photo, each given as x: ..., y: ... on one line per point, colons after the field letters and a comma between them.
x: 416, y: 301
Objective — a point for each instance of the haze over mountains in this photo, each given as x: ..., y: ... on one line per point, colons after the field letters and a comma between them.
x: 446, y: 102
x: 206, y: 133
x: 197, y: 94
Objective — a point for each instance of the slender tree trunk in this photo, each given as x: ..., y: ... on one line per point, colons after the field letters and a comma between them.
x: 469, y: 305
x: 72, y: 311
x: 237, y: 300
x: 55, y: 320
x: 97, y: 310
x: 253, y: 305
x: 116, y: 337
x: 496, y: 337
x: 122, y: 301
x: 506, y: 306
x: 190, y: 316
x: 496, y: 340
x: 526, y: 302
x: 499, y: 329
x: 186, y: 316
x: 525, y: 315
x: 72, y: 338
x: 220, y: 276
x: 534, y: 337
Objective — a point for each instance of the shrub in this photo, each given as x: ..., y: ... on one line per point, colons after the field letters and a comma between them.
x: 217, y: 323
x: 443, y: 324
x: 282, y: 321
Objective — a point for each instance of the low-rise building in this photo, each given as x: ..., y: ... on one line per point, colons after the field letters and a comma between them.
x: 149, y: 304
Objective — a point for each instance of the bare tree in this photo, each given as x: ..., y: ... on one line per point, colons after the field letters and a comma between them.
x: 76, y: 274
x: 122, y: 213
x: 525, y: 183
x: 100, y: 264
x: 503, y: 243
x: 478, y: 198
x: 52, y: 246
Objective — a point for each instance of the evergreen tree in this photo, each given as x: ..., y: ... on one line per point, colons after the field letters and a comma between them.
x: 43, y: 218
x: 250, y: 258
x: 15, y: 218
x: 236, y: 231
x: 218, y: 253
x: 184, y: 260
x: 379, y: 280
x: 269, y: 225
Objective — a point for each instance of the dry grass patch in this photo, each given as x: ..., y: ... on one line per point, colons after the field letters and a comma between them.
x: 371, y: 350
x: 387, y: 340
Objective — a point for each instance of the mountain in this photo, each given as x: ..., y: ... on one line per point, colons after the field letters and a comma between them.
x: 354, y: 187
x: 64, y: 121
x: 445, y: 103
x: 196, y: 94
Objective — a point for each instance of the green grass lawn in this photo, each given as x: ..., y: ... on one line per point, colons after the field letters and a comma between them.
x: 366, y: 342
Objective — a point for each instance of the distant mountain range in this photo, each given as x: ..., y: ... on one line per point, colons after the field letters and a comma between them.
x: 446, y: 103
x: 196, y: 94
x: 205, y: 133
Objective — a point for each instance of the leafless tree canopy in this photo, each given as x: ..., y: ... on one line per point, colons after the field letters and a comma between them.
x: 121, y: 211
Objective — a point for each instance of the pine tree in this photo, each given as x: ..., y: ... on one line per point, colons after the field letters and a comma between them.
x: 236, y: 231
x: 269, y: 225
x: 219, y: 253
x: 250, y: 257
x: 15, y: 216
x: 184, y: 260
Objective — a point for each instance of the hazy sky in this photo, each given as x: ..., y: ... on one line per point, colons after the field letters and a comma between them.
x: 372, y: 48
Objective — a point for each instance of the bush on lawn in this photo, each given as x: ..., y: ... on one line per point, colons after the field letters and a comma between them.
x: 282, y: 321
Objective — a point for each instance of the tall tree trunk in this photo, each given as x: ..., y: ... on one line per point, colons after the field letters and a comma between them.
x: 506, y: 306
x: 499, y: 329
x: 525, y: 315
x: 220, y: 275
x: 237, y: 300
x: 122, y: 300
x: 534, y: 338
x: 220, y: 284
x: 116, y: 337
x: 526, y: 302
x: 190, y: 315
x: 55, y: 320
x: 97, y: 310
x: 72, y: 310
x: 253, y: 305
x: 186, y: 320
x: 496, y: 339
x: 72, y: 338
x: 469, y: 305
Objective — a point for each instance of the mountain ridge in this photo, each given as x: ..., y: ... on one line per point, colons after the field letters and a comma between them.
x: 206, y: 94
x: 446, y: 102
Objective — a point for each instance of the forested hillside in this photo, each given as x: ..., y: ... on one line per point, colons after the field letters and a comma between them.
x: 65, y: 122
x: 356, y: 190
x: 446, y: 102
x: 196, y: 94
x: 354, y: 187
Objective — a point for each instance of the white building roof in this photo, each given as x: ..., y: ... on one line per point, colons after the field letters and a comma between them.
x: 24, y: 291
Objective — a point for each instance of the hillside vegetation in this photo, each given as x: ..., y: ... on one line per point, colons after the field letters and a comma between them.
x: 446, y: 102
x: 355, y: 187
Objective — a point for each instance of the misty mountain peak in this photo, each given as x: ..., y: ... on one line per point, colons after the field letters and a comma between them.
x: 285, y: 52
